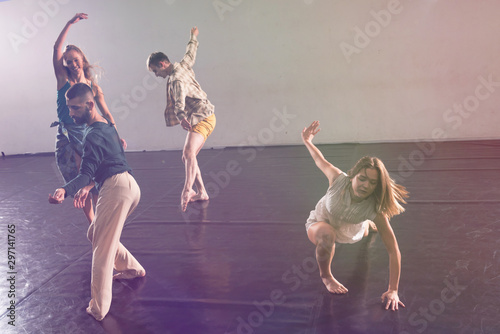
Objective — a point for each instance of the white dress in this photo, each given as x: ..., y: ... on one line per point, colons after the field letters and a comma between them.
x: 349, y: 219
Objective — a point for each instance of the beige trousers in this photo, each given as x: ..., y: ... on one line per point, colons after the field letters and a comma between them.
x: 118, y: 197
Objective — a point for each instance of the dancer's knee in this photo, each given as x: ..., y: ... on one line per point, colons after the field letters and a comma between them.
x: 325, y: 241
x: 188, y: 155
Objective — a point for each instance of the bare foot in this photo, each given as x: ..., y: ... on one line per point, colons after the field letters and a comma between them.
x: 129, y: 274
x: 333, y: 285
x: 200, y: 197
x: 186, y: 198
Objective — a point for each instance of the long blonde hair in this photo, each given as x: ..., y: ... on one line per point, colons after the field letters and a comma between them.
x: 388, y: 194
x: 88, y: 70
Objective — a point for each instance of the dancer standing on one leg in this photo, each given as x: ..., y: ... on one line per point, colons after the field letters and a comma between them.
x: 70, y: 67
x: 188, y: 105
x: 353, y: 202
x: 103, y: 163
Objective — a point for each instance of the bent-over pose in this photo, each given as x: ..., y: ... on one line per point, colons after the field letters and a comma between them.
x: 104, y: 163
x: 366, y: 197
x: 188, y: 105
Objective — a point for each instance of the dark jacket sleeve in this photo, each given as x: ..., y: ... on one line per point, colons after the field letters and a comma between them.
x: 92, y: 158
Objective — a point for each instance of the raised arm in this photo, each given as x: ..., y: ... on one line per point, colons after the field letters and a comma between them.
x: 57, y: 58
x: 390, y: 242
x: 330, y: 171
x: 194, y: 32
x: 190, y: 55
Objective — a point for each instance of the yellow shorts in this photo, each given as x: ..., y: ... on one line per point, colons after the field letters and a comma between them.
x: 205, y: 127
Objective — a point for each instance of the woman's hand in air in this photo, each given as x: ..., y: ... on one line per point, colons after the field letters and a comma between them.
x: 78, y: 17
x: 309, y: 132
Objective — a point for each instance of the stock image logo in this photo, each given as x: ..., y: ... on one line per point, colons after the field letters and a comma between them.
x: 31, y: 25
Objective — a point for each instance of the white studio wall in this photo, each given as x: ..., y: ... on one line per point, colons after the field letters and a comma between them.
x: 370, y: 71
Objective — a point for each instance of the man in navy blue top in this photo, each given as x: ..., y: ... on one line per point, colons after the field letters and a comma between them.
x: 103, y: 165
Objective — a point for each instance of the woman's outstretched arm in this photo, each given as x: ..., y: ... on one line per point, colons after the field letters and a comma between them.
x: 57, y: 58
x: 387, y: 235
x: 330, y: 171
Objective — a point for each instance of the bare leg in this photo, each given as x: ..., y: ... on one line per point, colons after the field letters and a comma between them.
x: 194, y: 142
x: 198, y: 183
x: 323, y: 236
x: 201, y: 192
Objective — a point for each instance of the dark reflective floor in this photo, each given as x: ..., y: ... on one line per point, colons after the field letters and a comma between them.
x: 242, y: 262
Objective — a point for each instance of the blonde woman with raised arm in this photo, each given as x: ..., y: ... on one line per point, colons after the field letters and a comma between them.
x: 70, y: 67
